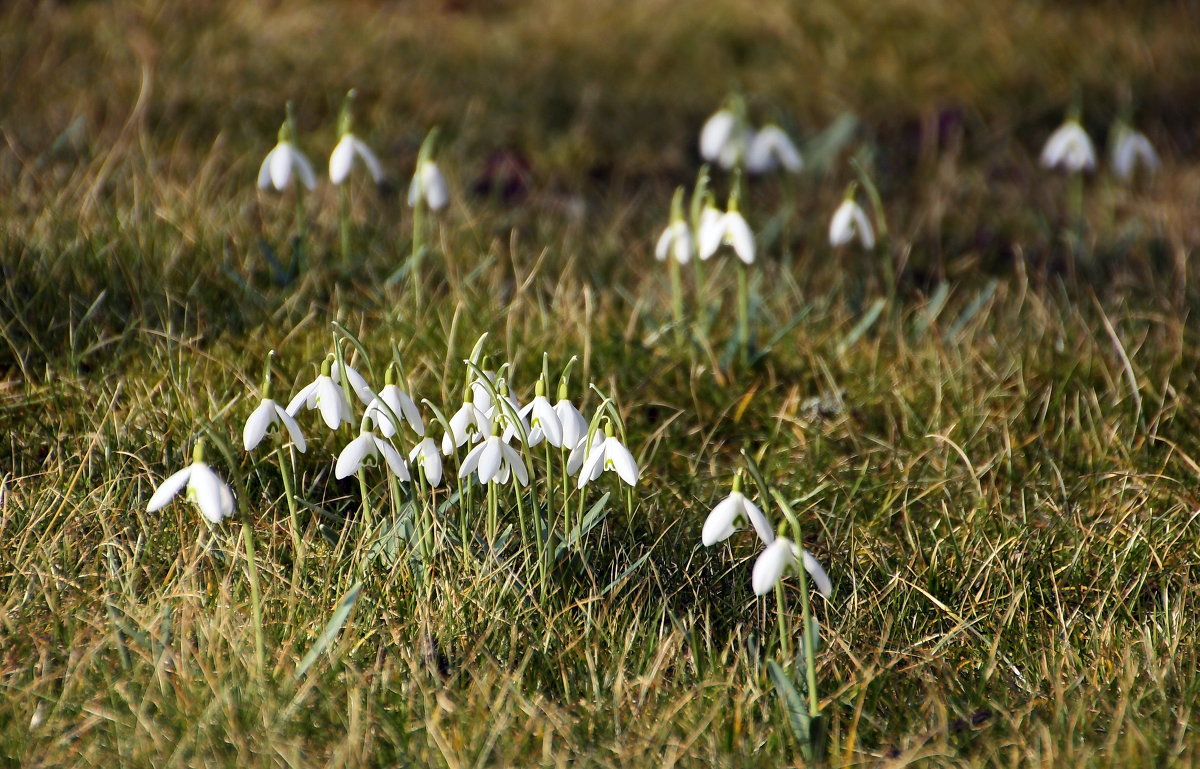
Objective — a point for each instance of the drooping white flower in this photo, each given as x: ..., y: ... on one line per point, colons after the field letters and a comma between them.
x: 782, y: 557
x: 1131, y: 148
x: 429, y: 185
x: 582, y: 449
x: 730, y: 229
x: 574, y: 426
x: 204, y: 488
x: 426, y: 455
x: 676, y: 242
x: 608, y: 454
x: 544, y: 422
x: 324, y: 394
x: 1069, y: 148
x: 285, y: 160
x: 729, y: 513
x: 724, y: 139
x: 466, y: 424
x: 771, y: 148
x: 358, y: 383
x: 850, y: 221
x: 341, y: 160
x: 363, y: 451
x: 262, y: 419
x: 393, y: 404
x: 493, y: 460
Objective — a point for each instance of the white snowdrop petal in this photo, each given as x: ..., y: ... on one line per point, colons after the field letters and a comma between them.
x: 434, y: 186
x: 813, y: 567
x: 264, y: 171
x: 293, y: 429
x: 394, y: 461
x: 358, y: 383
x: 841, y: 227
x: 471, y: 461
x: 301, y: 398
x: 304, y: 170
x: 257, y: 424
x: 622, y: 461
x: 489, y: 459
x: 331, y: 401
x: 712, y: 232
x: 716, y: 134
x: 167, y: 490
x: 575, y: 427
x: 759, y: 521
x: 341, y: 160
x: 204, y: 488
x: 866, y: 233
x: 770, y: 566
x: 548, y: 421
x: 719, y: 525
x: 516, y: 463
x: 663, y: 247
x: 351, y: 458
x: 593, y: 465
x: 739, y: 235
x: 281, y: 165
x: 369, y: 160
x: 408, y: 408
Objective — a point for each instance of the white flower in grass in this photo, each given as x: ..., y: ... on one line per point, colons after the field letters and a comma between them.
x: 465, y: 425
x: 850, y: 221
x: 494, y: 460
x: 1069, y: 148
x: 724, y: 138
x: 325, y: 395
x: 783, y: 557
x: 503, y: 414
x: 358, y: 383
x: 771, y: 148
x: 391, y: 406
x: 608, y: 454
x: 285, y: 160
x: 574, y: 426
x: 675, y: 242
x: 583, y: 449
x: 481, y: 394
x: 544, y: 422
x: 729, y: 229
x: 429, y: 185
x: 730, y: 512
x: 1130, y: 149
x: 363, y: 451
x: 341, y: 160
x: 262, y: 419
x: 204, y: 488
x: 426, y: 455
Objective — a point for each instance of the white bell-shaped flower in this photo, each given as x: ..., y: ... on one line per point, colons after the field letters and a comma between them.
x: 494, y: 460
x: 266, y: 416
x: 341, y: 160
x: 729, y: 229
x: 732, y: 511
x: 285, y: 161
x: 544, y: 422
x: 429, y: 185
x: 204, y: 488
x: 363, y: 451
x: 324, y: 394
x: 1069, y: 148
x: 425, y: 454
x: 771, y: 148
x: 850, y: 222
x: 1131, y: 149
x: 608, y: 454
x: 783, y: 557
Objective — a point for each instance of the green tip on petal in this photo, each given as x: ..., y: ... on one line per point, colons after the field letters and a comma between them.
x: 198, y: 451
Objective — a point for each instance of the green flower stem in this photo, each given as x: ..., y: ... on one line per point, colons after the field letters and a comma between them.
x: 260, y: 655
x: 418, y: 242
x: 743, y: 310
x: 782, y: 622
x: 344, y: 222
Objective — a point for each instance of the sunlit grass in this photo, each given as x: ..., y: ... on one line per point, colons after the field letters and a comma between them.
x: 995, y: 458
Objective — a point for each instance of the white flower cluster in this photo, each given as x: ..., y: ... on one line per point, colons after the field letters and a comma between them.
x: 496, y: 429
x: 1070, y: 149
x: 729, y: 141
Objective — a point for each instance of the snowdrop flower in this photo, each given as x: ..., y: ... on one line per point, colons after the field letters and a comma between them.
x: 850, y: 221
x: 204, y: 488
x: 494, y: 460
x: 393, y: 405
x: 349, y: 146
x: 1129, y: 149
x: 284, y: 160
x: 782, y: 557
x: 426, y: 455
x: 729, y: 512
x: 429, y: 185
x: 358, y: 383
x: 676, y: 239
x: 724, y: 138
x: 266, y: 416
x: 771, y: 148
x: 324, y: 394
x: 464, y: 425
x: 583, y: 449
x: 363, y: 451
x: 1069, y: 148
x: 545, y: 423
x: 730, y: 229
x: 574, y: 426
x: 608, y: 454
